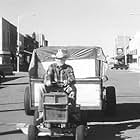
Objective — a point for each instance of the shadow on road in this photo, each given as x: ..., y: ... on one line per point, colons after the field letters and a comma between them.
x: 8, y: 110
x: 12, y: 77
x: 119, y: 127
x: 16, y: 84
x: 124, y: 112
x: 107, y: 132
x: 113, y: 132
x: 122, y: 126
x: 1, y: 87
x: 10, y: 132
x: 56, y: 138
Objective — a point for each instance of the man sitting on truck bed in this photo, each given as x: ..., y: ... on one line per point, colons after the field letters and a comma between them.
x: 62, y: 76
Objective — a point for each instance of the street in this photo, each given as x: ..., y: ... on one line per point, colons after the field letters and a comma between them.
x: 124, y: 126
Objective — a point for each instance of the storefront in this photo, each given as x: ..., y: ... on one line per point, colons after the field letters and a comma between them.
x: 134, y: 52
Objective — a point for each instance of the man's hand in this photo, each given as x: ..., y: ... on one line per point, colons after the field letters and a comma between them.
x: 65, y: 82
x: 48, y: 83
x: 72, y: 95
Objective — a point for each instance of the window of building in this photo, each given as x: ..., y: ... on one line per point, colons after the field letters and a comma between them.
x: 134, y: 60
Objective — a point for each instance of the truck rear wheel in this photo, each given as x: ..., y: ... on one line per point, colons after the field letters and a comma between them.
x: 84, y: 117
x: 109, y: 101
x: 27, y: 102
x: 36, y: 115
x: 32, y: 133
x: 80, y: 132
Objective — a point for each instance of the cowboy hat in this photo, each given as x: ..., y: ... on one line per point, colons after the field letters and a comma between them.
x: 61, y: 54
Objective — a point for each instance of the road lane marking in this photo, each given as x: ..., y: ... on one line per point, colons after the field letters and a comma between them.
x: 113, y: 123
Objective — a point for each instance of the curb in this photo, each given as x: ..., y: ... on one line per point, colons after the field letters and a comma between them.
x: 20, y: 73
x: 134, y: 70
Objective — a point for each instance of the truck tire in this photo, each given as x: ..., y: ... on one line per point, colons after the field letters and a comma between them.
x: 36, y: 115
x: 109, y: 101
x: 32, y: 132
x: 83, y: 117
x: 80, y: 132
x: 27, y: 102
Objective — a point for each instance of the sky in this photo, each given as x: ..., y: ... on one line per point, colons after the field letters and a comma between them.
x: 75, y: 22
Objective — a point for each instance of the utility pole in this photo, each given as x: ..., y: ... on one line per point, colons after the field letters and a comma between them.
x: 18, y: 43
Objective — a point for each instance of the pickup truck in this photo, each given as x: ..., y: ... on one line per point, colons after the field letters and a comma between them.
x: 6, y: 69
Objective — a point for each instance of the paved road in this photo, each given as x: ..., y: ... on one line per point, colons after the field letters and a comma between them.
x: 125, y: 125
x: 11, y: 106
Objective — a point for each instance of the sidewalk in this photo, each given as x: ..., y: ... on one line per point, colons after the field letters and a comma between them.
x: 20, y: 73
x: 12, y: 91
x: 134, y: 70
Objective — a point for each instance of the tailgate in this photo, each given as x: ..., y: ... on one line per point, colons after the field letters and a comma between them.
x: 89, y: 93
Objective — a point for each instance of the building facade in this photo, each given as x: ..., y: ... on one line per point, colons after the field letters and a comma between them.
x: 41, y: 39
x: 8, y: 41
x: 121, y: 48
x: 28, y: 44
x: 134, y: 51
x: 121, y: 43
x: 8, y: 47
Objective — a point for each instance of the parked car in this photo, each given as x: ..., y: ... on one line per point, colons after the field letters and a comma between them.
x: 2, y: 76
x: 88, y: 65
x: 120, y: 66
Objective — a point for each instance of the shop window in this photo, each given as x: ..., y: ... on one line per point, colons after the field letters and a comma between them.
x: 129, y: 58
x: 134, y: 60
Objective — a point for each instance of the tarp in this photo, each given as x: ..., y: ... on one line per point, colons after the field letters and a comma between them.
x: 43, y: 54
